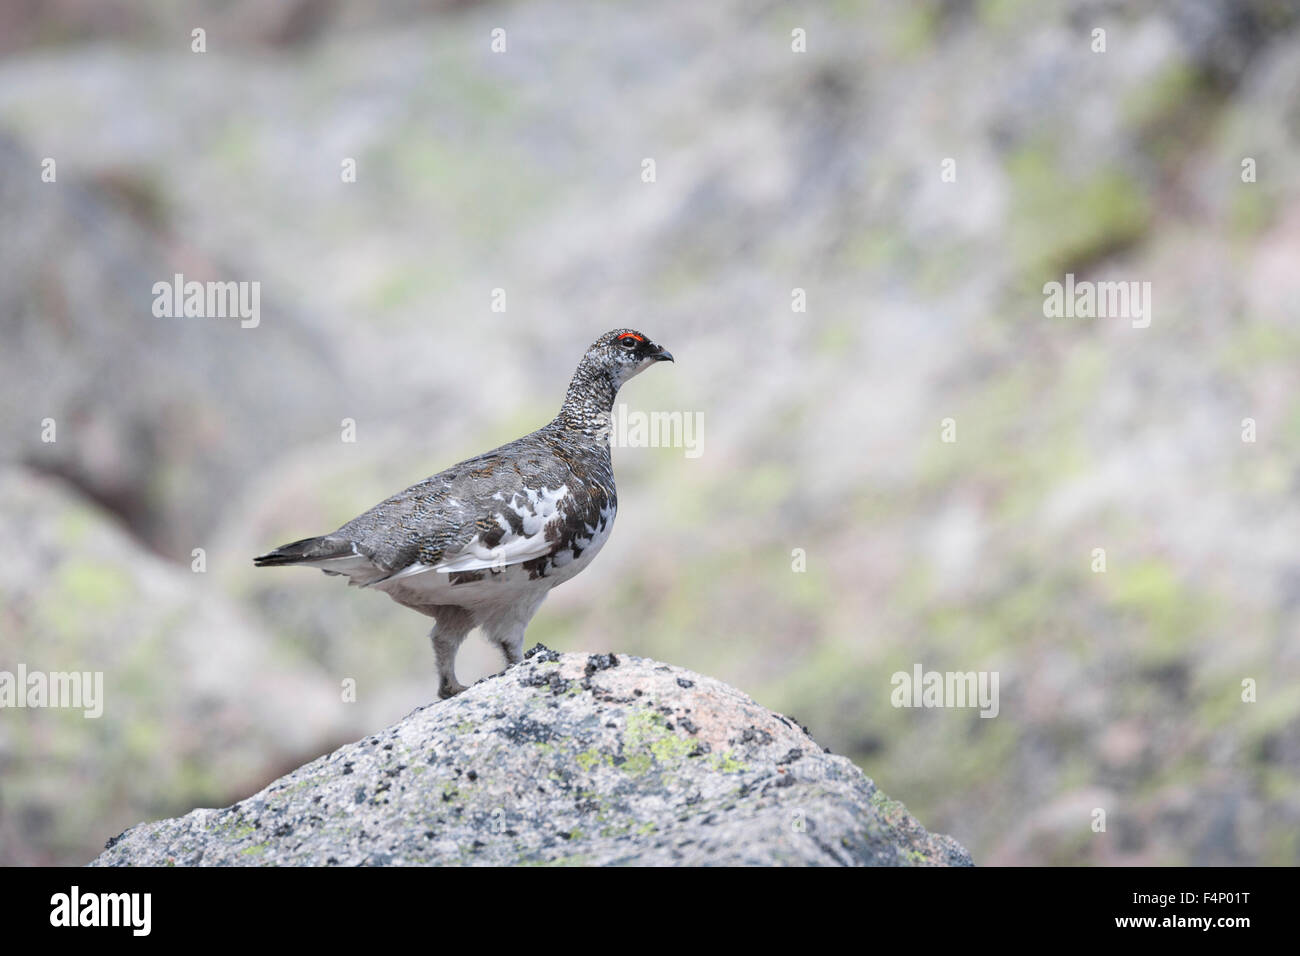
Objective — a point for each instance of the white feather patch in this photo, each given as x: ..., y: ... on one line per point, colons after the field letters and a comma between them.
x: 535, y: 514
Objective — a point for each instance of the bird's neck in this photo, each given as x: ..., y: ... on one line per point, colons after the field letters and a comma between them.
x: 589, y: 402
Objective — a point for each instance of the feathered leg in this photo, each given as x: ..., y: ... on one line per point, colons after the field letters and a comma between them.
x: 450, y: 627
x: 506, y: 626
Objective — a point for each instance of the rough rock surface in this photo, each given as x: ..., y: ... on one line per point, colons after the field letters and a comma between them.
x: 565, y: 759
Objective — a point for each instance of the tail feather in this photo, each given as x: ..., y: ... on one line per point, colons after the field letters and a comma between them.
x: 307, y: 551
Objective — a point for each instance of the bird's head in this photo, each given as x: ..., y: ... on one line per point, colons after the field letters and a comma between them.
x: 623, y: 353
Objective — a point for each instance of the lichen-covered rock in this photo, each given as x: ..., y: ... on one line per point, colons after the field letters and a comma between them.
x: 565, y: 759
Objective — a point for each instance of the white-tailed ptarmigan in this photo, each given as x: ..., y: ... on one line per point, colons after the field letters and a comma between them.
x: 482, y: 543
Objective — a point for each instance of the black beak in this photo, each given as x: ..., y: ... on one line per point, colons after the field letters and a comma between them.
x: 663, y: 355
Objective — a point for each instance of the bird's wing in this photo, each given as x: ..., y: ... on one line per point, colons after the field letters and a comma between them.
x: 478, y: 515
x: 507, y: 531
x: 516, y: 529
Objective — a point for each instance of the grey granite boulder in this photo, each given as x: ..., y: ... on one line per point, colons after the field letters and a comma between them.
x: 565, y: 759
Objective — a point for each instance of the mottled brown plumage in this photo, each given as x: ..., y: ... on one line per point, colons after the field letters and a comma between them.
x: 481, y: 543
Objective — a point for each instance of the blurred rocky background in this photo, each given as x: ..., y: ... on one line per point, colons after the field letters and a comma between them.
x: 775, y: 170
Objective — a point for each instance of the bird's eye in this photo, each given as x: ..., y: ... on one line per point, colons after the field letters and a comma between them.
x: 629, y: 341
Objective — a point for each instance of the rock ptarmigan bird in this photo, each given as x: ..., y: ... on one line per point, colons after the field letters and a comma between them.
x: 481, y: 544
